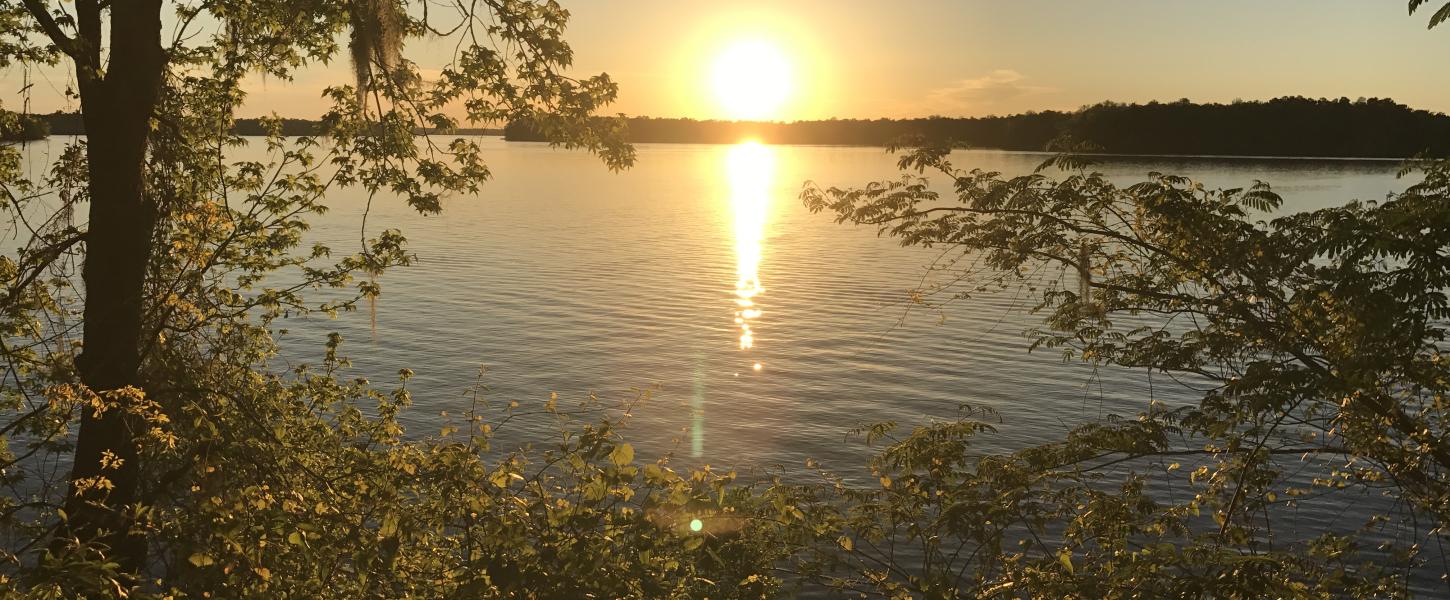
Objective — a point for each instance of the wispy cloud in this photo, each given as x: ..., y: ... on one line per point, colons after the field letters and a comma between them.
x: 990, y: 93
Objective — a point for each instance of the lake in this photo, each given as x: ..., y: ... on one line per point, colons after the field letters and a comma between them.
x: 765, y: 332
x: 762, y: 332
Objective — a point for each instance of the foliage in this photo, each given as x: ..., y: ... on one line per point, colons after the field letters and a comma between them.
x: 284, y: 486
x: 1438, y: 17
x: 1318, y: 336
x: 1315, y: 339
x: 226, y: 448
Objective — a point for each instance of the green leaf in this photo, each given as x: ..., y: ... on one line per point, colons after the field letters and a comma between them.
x: 622, y: 454
x: 201, y: 560
x: 1064, y: 556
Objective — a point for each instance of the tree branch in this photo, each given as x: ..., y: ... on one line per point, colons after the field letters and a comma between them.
x: 52, y: 30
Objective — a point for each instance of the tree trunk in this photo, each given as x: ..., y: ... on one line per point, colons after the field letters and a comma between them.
x: 117, y: 110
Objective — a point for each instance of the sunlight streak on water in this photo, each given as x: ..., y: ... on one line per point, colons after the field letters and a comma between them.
x: 750, y: 167
x: 749, y: 170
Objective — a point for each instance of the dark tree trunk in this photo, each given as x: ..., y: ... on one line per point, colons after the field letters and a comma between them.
x: 117, y: 108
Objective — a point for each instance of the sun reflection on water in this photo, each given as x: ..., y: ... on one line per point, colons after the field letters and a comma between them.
x: 750, y: 167
x: 749, y: 171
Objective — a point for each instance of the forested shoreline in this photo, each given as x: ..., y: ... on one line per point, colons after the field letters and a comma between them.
x: 1288, y: 126
x: 34, y: 127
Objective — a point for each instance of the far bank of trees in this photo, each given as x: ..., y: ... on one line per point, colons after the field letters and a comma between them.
x: 73, y: 123
x: 1289, y: 126
x: 20, y: 128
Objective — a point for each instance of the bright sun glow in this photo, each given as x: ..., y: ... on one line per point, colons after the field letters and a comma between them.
x: 752, y: 80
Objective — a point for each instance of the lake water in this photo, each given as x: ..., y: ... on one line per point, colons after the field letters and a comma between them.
x: 765, y: 331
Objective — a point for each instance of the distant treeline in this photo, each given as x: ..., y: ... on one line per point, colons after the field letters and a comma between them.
x: 60, y: 123
x: 22, y: 128
x: 1290, y: 126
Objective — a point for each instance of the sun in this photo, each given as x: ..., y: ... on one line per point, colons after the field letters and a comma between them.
x: 752, y: 79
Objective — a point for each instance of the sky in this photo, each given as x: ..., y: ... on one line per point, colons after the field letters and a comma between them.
x: 907, y: 58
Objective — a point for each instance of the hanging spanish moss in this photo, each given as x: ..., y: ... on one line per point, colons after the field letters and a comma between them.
x: 377, y: 40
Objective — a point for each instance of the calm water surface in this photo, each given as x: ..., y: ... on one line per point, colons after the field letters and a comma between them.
x: 765, y: 332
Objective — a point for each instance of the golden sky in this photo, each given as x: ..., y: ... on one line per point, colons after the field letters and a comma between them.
x: 871, y: 58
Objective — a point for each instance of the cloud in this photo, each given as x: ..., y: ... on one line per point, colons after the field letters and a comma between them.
x: 990, y: 93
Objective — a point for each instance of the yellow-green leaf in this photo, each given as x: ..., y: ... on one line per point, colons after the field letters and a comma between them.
x: 622, y: 454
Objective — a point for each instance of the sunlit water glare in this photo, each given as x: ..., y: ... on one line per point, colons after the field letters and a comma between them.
x: 750, y: 167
